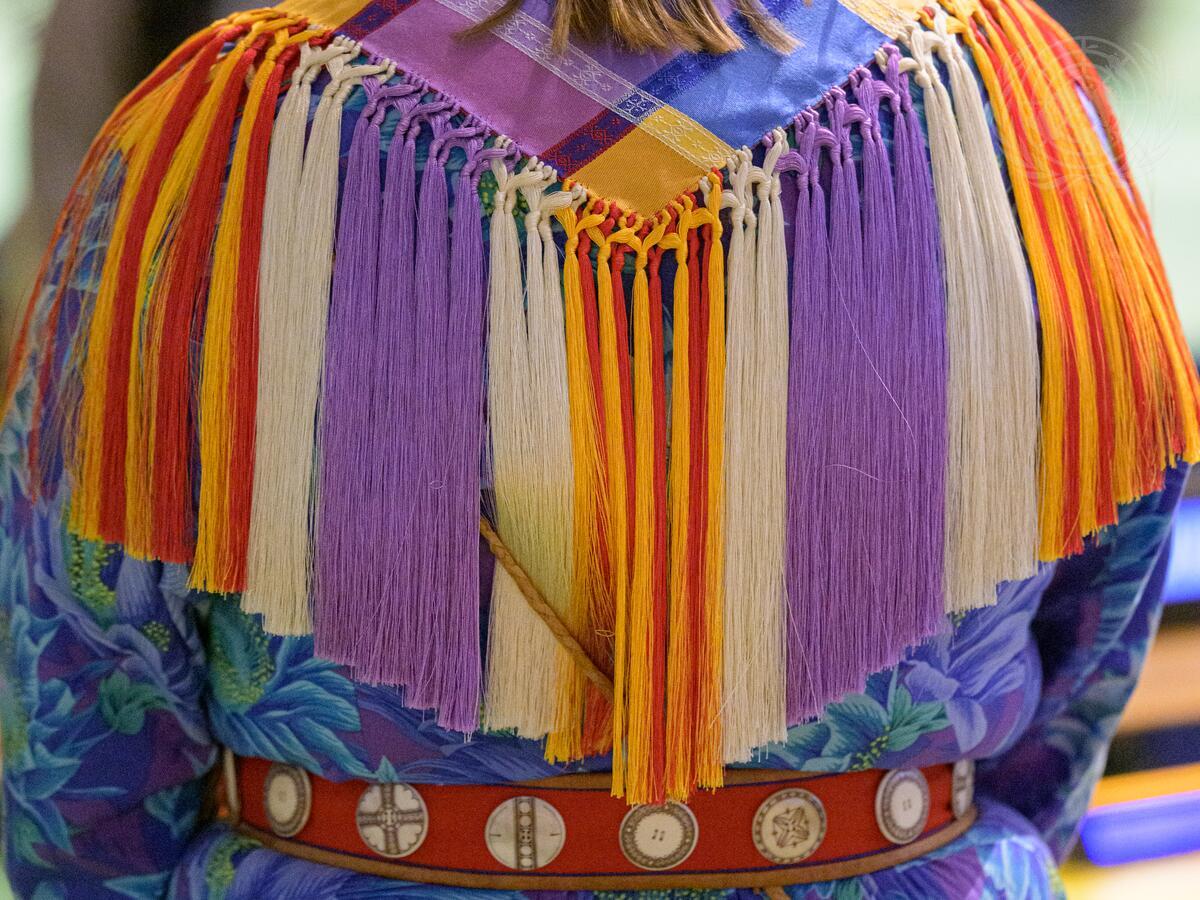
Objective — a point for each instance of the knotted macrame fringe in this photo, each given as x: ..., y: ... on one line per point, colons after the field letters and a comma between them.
x: 550, y: 408
x: 920, y: 375
x: 279, y: 484
x: 907, y: 390
x: 1119, y: 391
x: 990, y: 514
x: 693, y: 632
x: 391, y: 434
x: 655, y: 553
x: 446, y: 587
x: 755, y: 434
x: 173, y: 269
x: 739, y: 473
x: 295, y: 304
x: 532, y: 468
x: 867, y: 396
x: 344, y: 522
x: 229, y: 356
x: 420, y: 630
x: 591, y: 608
x: 99, y: 508
x: 663, y: 557
x: 461, y: 663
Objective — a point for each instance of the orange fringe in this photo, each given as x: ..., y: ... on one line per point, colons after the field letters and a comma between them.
x: 1120, y: 396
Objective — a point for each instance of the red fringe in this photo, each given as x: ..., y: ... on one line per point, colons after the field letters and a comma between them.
x: 187, y: 274
x: 116, y: 420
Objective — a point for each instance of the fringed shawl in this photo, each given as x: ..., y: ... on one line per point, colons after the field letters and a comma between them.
x: 742, y: 424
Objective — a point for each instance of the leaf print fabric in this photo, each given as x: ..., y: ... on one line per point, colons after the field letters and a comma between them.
x: 1001, y: 849
x: 118, y: 686
x: 1093, y: 629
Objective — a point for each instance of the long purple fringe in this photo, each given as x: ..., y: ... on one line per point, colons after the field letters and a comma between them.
x: 464, y: 352
x: 878, y: 331
x: 397, y: 580
x: 388, y: 656
x: 450, y: 373
x: 866, y: 424
x: 429, y: 559
x: 397, y: 572
x: 921, y: 376
x: 350, y: 565
x: 810, y: 320
x: 340, y: 578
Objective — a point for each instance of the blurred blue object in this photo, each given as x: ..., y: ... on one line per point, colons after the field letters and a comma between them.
x: 1142, y: 829
x: 1183, y: 573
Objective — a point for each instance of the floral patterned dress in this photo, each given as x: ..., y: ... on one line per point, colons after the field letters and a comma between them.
x: 120, y: 686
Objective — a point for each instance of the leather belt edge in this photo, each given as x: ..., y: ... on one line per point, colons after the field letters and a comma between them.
x: 450, y: 874
x: 776, y: 877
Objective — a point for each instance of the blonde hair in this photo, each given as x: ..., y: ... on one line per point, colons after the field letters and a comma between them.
x: 693, y: 25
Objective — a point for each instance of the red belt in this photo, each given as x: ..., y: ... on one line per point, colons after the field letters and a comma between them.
x: 764, y: 828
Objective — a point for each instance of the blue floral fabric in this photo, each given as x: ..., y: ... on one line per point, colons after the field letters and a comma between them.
x: 1001, y: 849
x: 118, y: 685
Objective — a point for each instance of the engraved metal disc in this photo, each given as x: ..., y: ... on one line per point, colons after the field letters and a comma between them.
x: 789, y: 826
x: 659, y: 837
x: 287, y: 799
x: 392, y: 819
x: 902, y: 805
x: 962, y: 792
x: 525, y: 833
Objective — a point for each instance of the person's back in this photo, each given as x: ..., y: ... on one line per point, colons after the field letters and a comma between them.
x: 512, y: 463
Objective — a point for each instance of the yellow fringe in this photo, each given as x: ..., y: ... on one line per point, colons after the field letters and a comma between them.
x: 212, y: 567
x: 616, y: 502
x: 154, y: 263
x: 681, y: 662
x: 135, y: 139
x: 710, y: 763
x: 694, y: 675
x: 1135, y: 314
x: 1157, y: 309
x: 640, y: 781
x: 565, y: 742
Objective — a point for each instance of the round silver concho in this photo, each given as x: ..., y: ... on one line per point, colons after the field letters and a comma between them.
x: 902, y: 805
x: 392, y: 819
x: 659, y: 837
x: 525, y: 833
x: 287, y: 799
x: 962, y: 791
x: 789, y: 826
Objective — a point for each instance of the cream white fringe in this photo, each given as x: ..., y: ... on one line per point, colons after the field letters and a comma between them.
x: 298, y: 234
x: 988, y: 484
x: 1015, y: 378
x: 756, y: 380
x: 533, y: 474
